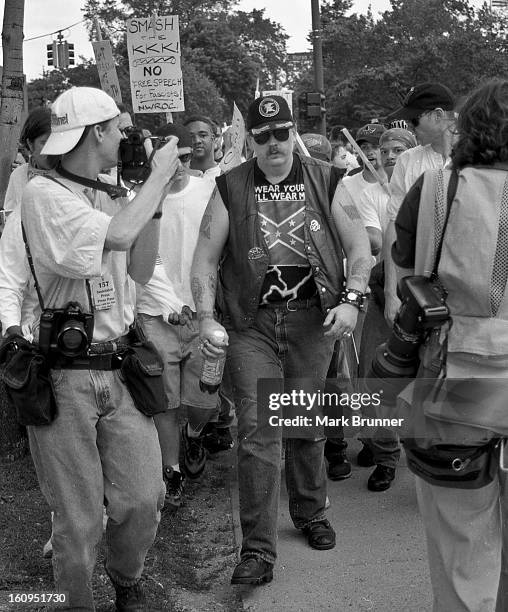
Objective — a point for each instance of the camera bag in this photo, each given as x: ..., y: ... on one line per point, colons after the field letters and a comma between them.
x: 141, y: 370
x: 446, y: 465
x: 25, y: 373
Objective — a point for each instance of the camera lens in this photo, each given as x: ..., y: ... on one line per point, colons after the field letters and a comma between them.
x: 72, y: 339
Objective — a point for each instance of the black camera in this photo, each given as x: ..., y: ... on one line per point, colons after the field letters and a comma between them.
x: 423, y: 309
x: 134, y: 165
x: 67, y: 331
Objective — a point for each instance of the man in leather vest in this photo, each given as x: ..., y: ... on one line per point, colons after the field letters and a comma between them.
x: 278, y: 224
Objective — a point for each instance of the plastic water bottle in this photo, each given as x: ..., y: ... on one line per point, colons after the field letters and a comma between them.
x: 213, y: 368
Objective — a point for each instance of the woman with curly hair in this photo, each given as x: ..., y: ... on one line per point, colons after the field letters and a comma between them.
x: 467, y: 528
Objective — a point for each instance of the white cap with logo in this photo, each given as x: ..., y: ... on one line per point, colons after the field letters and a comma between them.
x: 71, y: 112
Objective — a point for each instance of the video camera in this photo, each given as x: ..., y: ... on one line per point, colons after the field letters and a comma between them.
x: 66, y: 331
x: 134, y: 164
x: 423, y: 309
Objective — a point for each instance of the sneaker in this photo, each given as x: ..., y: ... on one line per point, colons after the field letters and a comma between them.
x: 130, y: 598
x: 194, y: 454
x: 339, y: 467
x: 174, y: 489
x: 216, y: 439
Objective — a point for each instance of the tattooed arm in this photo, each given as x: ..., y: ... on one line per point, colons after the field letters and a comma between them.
x: 355, y: 242
x: 213, y: 234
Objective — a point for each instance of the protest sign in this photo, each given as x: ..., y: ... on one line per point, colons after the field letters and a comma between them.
x: 107, y: 69
x: 153, y: 45
x: 236, y: 135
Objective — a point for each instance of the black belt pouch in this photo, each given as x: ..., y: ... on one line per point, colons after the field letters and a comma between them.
x: 141, y: 370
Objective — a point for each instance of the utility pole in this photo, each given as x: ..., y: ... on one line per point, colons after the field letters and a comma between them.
x: 317, y: 47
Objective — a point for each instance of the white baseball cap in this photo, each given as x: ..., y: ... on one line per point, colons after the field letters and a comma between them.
x: 72, y: 111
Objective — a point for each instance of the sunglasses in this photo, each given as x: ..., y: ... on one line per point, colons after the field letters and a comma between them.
x: 282, y: 134
x: 185, y: 157
x: 415, y: 122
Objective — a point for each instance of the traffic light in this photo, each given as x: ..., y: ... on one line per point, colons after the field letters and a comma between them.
x: 71, y: 54
x: 315, y: 104
x: 52, y: 54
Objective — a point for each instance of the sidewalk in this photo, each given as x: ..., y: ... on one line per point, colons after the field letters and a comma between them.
x: 379, y: 562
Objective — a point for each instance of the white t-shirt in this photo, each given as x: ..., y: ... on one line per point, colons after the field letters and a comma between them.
x: 373, y: 207
x: 169, y: 288
x: 17, y: 293
x: 356, y: 185
x: 66, y: 226
x: 409, y: 166
x: 18, y: 179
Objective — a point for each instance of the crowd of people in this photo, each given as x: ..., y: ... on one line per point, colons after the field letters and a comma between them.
x: 287, y: 266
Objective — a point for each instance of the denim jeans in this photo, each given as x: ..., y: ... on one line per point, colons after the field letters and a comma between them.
x: 281, y: 344
x: 100, y: 449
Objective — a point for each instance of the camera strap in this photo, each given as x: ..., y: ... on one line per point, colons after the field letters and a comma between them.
x: 450, y: 195
x: 113, y: 191
x: 31, y: 263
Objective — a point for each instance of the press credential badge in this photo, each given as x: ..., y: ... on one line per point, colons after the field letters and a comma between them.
x: 103, y: 292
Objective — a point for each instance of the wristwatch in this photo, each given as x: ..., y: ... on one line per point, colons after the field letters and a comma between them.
x: 353, y: 297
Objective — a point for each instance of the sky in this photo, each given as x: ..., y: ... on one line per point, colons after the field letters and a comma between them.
x: 42, y: 17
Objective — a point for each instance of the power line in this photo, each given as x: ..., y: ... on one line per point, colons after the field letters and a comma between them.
x: 55, y: 32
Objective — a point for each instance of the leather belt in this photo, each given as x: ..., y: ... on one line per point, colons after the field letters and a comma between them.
x: 293, y: 304
x: 101, y: 356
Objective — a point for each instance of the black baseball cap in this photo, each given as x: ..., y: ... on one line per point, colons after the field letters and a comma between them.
x: 183, y: 134
x: 268, y: 112
x: 423, y: 97
x: 370, y: 133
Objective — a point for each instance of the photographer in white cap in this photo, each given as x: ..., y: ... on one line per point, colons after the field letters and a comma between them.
x: 89, y: 243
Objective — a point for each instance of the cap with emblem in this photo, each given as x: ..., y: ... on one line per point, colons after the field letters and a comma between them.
x: 370, y: 133
x: 423, y: 97
x: 71, y: 112
x: 318, y: 146
x: 268, y: 113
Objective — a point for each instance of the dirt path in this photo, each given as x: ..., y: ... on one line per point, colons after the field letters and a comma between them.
x: 187, y: 570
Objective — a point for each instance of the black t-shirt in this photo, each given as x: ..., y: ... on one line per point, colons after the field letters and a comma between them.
x: 403, y: 250
x: 281, y: 211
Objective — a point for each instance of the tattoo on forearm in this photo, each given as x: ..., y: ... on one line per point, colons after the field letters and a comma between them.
x: 197, y: 290
x: 205, y: 227
x: 212, y: 282
x: 360, y: 271
x: 205, y: 314
x: 352, y: 212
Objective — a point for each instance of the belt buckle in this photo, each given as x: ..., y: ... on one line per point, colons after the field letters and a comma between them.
x: 287, y: 305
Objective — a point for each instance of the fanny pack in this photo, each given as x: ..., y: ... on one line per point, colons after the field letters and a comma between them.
x: 25, y: 373
x: 141, y: 370
x: 454, y: 466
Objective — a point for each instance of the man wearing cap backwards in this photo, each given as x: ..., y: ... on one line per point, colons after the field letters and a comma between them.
x: 99, y: 447
x: 429, y: 109
x: 279, y: 242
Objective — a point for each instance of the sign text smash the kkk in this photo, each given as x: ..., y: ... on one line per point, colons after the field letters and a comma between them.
x: 153, y: 45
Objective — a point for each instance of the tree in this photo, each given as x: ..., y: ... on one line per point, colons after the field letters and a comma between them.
x: 370, y: 64
x: 13, y: 83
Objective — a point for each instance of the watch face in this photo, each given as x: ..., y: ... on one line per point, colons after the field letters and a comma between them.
x: 352, y: 296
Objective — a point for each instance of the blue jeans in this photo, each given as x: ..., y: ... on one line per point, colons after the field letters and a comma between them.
x: 281, y: 344
x: 100, y: 449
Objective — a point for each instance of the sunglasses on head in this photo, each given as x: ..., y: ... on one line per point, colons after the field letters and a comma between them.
x: 185, y: 157
x: 281, y: 134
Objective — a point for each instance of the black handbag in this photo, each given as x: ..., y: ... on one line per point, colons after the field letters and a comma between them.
x: 25, y: 374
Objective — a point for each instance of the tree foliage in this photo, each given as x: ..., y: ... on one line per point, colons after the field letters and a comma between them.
x: 370, y: 64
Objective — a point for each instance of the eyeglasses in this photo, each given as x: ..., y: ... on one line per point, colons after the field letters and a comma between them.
x: 185, y: 157
x: 282, y: 134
